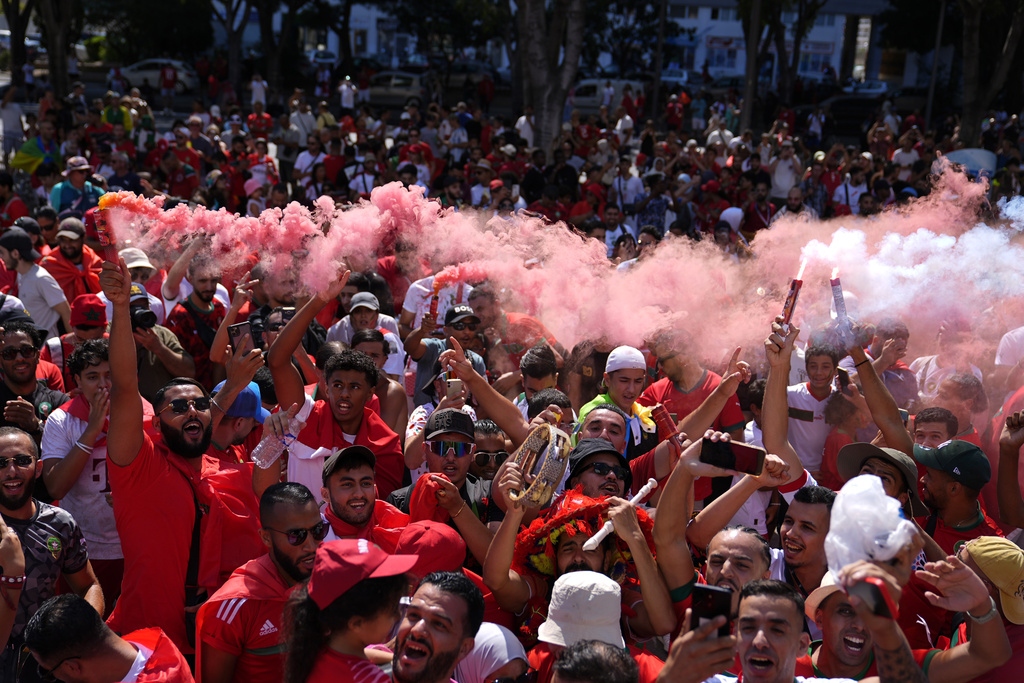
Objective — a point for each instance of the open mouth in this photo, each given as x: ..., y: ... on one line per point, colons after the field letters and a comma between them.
x: 307, y: 562
x: 343, y: 406
x: 414, y: 652
x: 791, y: 548
x: 854, y: 644
x: 449, y: 470
x: 609, y: 488
x: 759, y: 664
x: 193, y: 429
x: 357, y: 504
x: 14, y: 486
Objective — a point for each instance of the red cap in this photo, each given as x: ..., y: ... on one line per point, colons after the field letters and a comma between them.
x: 497, y: 184
x: 711, y: 186
x: 438, y: 546
x: 340, y: 565
x: 88, y: 310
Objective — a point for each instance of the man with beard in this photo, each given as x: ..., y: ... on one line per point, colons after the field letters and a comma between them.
x: 163, y: 484
x: 342, y: 418
x: 353, y: 509
x: 52, y: 543
x: 26, y: 399
x: 277, y: 290
x: 240, y: 626
x: 438, y: 629
x: 74, y: 266
x: 194, y: 320
x: 795, y: 206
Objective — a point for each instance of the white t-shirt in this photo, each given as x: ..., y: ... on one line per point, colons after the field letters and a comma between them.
x: 930, y: 375
x: 306, y: 161
x: 87, y: 499
x: 259, y: 91
x: 39, y: 291
x: 525, y: 129
x: 347, y: 90
x: 753, y: 511
x: 807, y: 433
x: 905, y: 160
x: 850, y: 195
x: 186, y: 288
x: 342, y: 331
x: 417, y: 299
x: 624, y: 128
x: 626, y: 189
x: 607, y: 95
x: 11, y: 116
x: 1011, y: 348
x: 783, y: 178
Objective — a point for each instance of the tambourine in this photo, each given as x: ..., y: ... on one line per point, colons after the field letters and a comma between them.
x: 549, y: 446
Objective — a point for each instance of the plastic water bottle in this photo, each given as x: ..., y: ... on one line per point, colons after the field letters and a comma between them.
x: 270, y: 447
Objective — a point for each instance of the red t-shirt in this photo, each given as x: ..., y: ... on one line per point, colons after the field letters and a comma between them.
x: 168, y: 77
x: 664, y: 391
x: 188, y: 156
x: 245, y: 619
x: 1007, y: 672
x: 50, y: 374
x: 805, y: 667
x: 829, y: 475
x: 260, y: 125
x: 520, y: 332
x: 332, y: 667
x: 951, y: 538
x: 12, y: 211
x: 543, y: 656
x: 181, y: 322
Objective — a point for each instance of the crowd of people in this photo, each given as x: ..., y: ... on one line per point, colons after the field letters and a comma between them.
x: 179, y: 503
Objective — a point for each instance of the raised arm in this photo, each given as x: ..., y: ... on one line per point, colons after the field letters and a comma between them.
x: 287, y: 380
x: 509, y: 588
x: 125, y: 401
x: 243, y: 294
x: 172, y: 283
x: 497, y: 407
x: 413, y: 343
x: 1011, y: 505
x: 778, y: 348
x: 884, y: 411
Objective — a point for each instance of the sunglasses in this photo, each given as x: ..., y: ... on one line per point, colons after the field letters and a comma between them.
x: 25, y: 351
x: 180, y: 406
x: 442, y: 447
x: 298, y: 536
x: 526, y: 677
x: 484, y: 457
x: 20, y: 461
x: 462, y: 326
x: 47, y: 675
x: 602, y: 469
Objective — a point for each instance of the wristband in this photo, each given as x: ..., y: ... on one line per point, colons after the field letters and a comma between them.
x: 83, y: 447
x: 988, y: 616
x: 13, y: 581
x: 866, y: 360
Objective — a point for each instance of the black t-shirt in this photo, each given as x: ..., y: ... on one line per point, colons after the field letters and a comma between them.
x: 45, y: 400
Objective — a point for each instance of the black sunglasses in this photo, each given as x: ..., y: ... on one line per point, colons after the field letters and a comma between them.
x: 275, y: 327
x: 25, y: 351
x: 461, y: 326
x: 602, y: 469
x: 298, y: 536
x: 20, y: 461
x: 47, y: 674
x: 180, y: 406
x: 484, y: 457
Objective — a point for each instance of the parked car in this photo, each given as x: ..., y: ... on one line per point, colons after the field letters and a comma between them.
x: 589, y: 93
x: 398, y: 88
x: 869, y: 88
x: 319, y: 58
x: 458, y: 73
x: 149, y: 70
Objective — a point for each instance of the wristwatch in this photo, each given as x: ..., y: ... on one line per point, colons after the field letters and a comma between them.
x: 988, y: 616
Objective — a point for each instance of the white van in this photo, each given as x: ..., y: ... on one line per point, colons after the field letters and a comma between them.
x: 588, y: 94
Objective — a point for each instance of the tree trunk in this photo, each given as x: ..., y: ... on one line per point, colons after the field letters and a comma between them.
x: 17, y: 22
x: 234, y: 19
x: 274, y: 46
x: 977, y: 95
x: 541, y: 45
x: 56, y: 17
x: 344, y: 39
x: 752, y: 36
x: 785, y: 84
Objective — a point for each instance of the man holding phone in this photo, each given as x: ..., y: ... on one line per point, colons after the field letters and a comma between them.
x: 460, y: 323
x: 770, y: 638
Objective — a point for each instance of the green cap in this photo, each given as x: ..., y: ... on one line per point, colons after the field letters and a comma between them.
x: 962, y: 460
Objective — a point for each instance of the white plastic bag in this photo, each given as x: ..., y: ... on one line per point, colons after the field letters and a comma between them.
x: 866, y: 524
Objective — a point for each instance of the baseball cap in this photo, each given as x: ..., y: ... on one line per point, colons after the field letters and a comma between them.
x: 16, y: 239
x: 364, y: 300
x: 625, y: 358
x: 439, y: 547
x: 251, y: 185
x: 1002, y: 562
x: 136, y: 258
x: 853, y: 456
x: 584, y: 606
x: 340, y: 565
x: 509, y: 150
x: 76, y: 164
x: 457, y: 313
x: 496, y: 184
x: 448, y: 421
x: 29, y: 225
x: 88, y: 310
x: 248, y: 403
x: 818, y: 595
x: 590, y: 447
x: 347, y: 459
x: 962, y: 460
x: 72, y: 228
x: 138, y: 293
x: 711, y: 186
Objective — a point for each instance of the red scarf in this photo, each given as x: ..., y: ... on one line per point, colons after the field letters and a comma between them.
x: 79, y: 407
x: 166, y: 664
x: 423, y: 503
x: 73, y: 281
x: 384, y: 526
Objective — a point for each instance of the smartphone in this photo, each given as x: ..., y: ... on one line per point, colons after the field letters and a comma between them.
x: 241, y: 337
x: 708, y: 603
x: 454, y: 387
x: 287, y: 314
x: 733, y: 455
x: 873, y: 592
x: 515, y: 190
x: 844, y: 380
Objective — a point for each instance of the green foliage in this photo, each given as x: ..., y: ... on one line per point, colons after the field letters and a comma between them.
x: 449, y: 25
x: 137, y: 30
x: 96, y: 47
x: 625, y: 29
x: 911, y: 25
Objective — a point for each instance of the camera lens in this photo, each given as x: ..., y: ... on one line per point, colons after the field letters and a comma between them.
x: 143, y: 317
